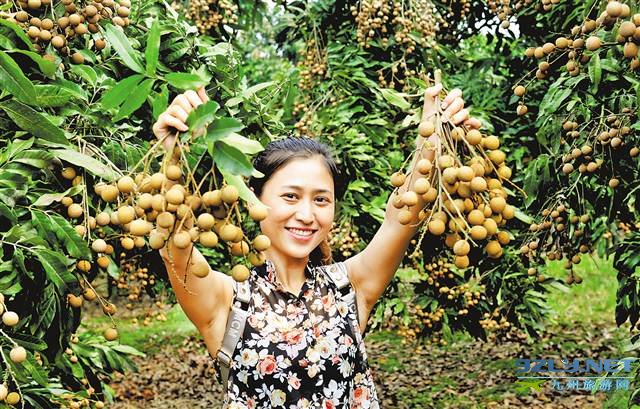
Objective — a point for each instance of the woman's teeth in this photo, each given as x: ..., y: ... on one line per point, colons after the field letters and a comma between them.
x: 301, y: 232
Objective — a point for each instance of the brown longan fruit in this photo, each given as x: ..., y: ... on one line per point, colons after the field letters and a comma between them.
x: 461, y: 261
x: 519, y: 90
x: 174, y: 196
x: 436, y: 227
x: 139, y: 227
x: 34, y: 4
x: 405, y: 217
x: 205, y: 221
x: 110, y: 334
x: 261, y: 242
x: 182, y: 239
x: 494, y: 249
x: 126, y: 214
x: 258, y: 212
x: 100, y: 44
x: 473, y: 137
x: 74, y: 300
x: 240, y: 248
x: 208, y: 239
x: 397, y: 179
x: 421, y: 186
x: 229, y: 194
x: 426, y: 129
x: 461, y: 248
x: 424, y: 166
x: 240, y: 272
x: 478, y: 232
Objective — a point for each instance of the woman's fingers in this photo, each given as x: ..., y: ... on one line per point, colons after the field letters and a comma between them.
x: 453, y: 108
x: 473, y: 123
x: 460, y: 117
x: 202, y: 93
x: 194, y: 98
x: 454, y: 94
x: 430, y: 95
x: 182, y: 101
x: 170, y: 120
x: 178, y: 112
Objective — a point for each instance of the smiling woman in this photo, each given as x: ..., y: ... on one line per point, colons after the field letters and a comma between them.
x: 291, y: 334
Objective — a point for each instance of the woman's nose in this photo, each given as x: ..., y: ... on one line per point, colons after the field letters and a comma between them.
x: 304, y: 213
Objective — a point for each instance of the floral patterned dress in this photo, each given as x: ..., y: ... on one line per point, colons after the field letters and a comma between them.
x: 299, y: 351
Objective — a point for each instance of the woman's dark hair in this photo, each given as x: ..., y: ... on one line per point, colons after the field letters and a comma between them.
x: 280, y: 152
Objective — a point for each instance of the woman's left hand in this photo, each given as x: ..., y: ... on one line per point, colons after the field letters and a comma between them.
x: 453, y: 106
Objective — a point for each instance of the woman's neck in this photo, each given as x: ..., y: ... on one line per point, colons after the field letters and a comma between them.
x: 290, y: 271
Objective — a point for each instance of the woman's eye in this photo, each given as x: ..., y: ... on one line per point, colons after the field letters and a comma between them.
x: 323, y: 199
x: 289, y: 195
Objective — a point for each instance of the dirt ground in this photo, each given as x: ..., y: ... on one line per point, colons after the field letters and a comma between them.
x: 466, y: 374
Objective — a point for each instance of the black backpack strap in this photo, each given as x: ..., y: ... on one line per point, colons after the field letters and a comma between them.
x: 235, y: 327
x: 338, y: 274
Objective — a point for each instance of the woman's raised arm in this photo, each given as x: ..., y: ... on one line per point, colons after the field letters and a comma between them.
x: 371, y: 270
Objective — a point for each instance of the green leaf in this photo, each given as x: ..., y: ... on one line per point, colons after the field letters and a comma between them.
x: 249, y: 92
x: 136, y: 99
x: 47, y: 67
x: 395, y: 98
x: 152, y: 50
x: 13, y: 80
x: 230, y: 159
x: 76, y: 246
x: 245, y: 193
x: 34, y: 122
x: 55, y: 266
x: 222, y: 127
x: 595, y: 71
x: 48, y: 198
x: 52, y: 96
x: 85, y: 72
x: 202, y: 115
x: 19, y: 32
x: 160, y: 101
x: 119, y: 93
x: 87, y: 162
x: 244, y: 145
x: 126, y: 349
x: 120, y: 43
x: 185, y: 81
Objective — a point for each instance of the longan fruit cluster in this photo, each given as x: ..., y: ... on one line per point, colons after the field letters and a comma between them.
x: 574, y: 50
x: 420, y: 320
x: 43, y: 26
x: 312, y: 64
x: 150, y: 210
x: 133, y: 281
x: 504, y: 9
x: 344, y: 239
x: 462, y: 192
x: 209, y: 15
x: 394, y: 19
x: 493, y: 322
x: 17, y: 354
x: 560, y: 233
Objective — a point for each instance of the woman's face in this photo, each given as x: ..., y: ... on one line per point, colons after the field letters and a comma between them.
x: 300, y: 196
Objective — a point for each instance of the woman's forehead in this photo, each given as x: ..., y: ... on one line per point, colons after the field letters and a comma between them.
x: 304, y: 173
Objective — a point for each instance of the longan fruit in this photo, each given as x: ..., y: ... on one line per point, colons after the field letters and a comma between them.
x: 99, y: 246
x: 490, y: 226
x: 424, y: 166
x: 475, y: 217
x: 103, y: 261
x: 461, y: 248
x: 74, y: 300
x: 75, y: 210
x: 212, y: 198
x: 397, y: 179
x: 66, y: 201
x: 474, y: 137
x: 208, y: 239
x: 261, y: 242
x: 431, y: 195
x: 450, y: 175
x: 139, y: 227
x: 593, y: 43
x: 461, y: 261
x: 256, y: 259
x: 240, y: 272
x: 173, y: 172
x: 520, y: 90
x: 174, y: 196
x: 494, y: 249
x: 497, y: 204
x: 426, y: 129
x: 228, y: 232
x: 157, y: 180
x: 445, y: 161
x: 205, y: 221
x: 126, y: 184
x: 405, y: 217
x: 503, y: 238
x: 77, y: 58
x: 109, y: 193
x: 436, y: 227
x: 491, y: 142
x: 89, y: 295
x: 229, y: 194
x: 200, y: 269
x: 478, y: 184
x: 10, y: 318
x: 478, y: 233
x: 110, y: 334
x: 258, y: 212
x: 614, y: 9
x: 13, y: 397
x: 410, y: 198
x: 156, y: 240
x: 240, y: 248
x: 126, y: 214
x: 421, y: 186
x: 182, y: 239
x: 465, y: 173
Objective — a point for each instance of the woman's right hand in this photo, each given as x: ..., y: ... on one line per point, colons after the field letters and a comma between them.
x: 175, y: 117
